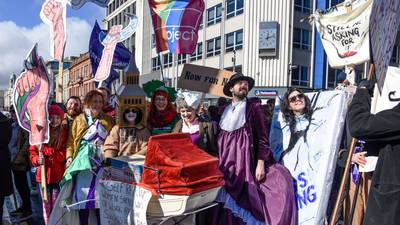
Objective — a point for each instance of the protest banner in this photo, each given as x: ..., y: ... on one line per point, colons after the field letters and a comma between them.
x: 53, y: 14
x: 115, y: 35
x: 176, y: 24
x: 140, y: 203
x: 30, y: 99
x: 311, y: 162
x: 121, y: 55
x: 390, y: 94
x: 116, y: 202
x: 344, y: 34
x: 384, y: 22
x: 204, y: 79
x: 77, y: 4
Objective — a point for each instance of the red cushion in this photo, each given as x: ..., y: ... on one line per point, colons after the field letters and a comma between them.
x: 185, y: 168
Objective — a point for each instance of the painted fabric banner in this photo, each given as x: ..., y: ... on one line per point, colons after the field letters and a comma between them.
x: 30, y: 98
x: 77, y: 4
x: 176, y: 24
x: 344, y: 34
x: 311, y: 161
x: 121, y: 55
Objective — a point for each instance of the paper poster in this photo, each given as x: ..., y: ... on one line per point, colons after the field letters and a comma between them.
x: 140, y: 203
x: 389, y: 96
x: 176, y: 24
x: 115, y: 34
x: 311, y: 162
x: 77, y: 4
x: 344, y: 34
x: 30, y: 98
x: 53, y: 14
x: 116, y: 202
x: 204, y: 79
x: 384, y: 24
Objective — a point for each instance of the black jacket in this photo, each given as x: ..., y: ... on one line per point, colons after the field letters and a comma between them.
x: 382, y: 131
x: 6, y: 187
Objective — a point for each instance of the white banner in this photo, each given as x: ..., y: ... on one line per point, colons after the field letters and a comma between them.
x: 390, y: 95
x: 344, y: 34
x: 310, y: 159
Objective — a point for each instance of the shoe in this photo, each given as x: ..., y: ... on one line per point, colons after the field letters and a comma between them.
x: 25, y: 216
x: 17, y: 212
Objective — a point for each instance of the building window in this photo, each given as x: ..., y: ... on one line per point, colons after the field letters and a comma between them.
x: 198, y: 53
x: 234, y: 41
x: 234, y: 8
x: 167, y: 60
x: 303, y: 6
x: 214, y: 47
x: 335, y: 2
x: 214, y: 14
x: 332, y: 77
x: 301, y: 39
x: 153, y: 40
x: 300, y: 76
x: 155, y: 64
x: 181, y: 58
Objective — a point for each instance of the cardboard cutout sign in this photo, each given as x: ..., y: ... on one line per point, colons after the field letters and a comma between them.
x: 30, y: 98
x: 204, y: 79
x: 345, y: 35
x: 390, y: 94
x: 384, y: 23
x: 53, y: 14
x: 116, y: 34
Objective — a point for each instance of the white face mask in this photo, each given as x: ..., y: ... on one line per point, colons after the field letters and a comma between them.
x: 130, y: 117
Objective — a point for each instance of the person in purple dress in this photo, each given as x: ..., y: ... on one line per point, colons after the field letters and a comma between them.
x: 257, y: 189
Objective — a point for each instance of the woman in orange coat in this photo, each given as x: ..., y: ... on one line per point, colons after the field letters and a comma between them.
x: 53, y: 158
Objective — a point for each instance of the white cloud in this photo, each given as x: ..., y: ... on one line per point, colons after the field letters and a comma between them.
x: 16, y: 41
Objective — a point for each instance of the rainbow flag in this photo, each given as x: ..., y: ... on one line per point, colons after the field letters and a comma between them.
x: 176, y: 24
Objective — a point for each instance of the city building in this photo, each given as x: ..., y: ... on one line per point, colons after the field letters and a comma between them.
x: 52, y: 67
x: 8, y: 95
x: 80, y: 79
x: 2, y: 95
x: 269, y: 40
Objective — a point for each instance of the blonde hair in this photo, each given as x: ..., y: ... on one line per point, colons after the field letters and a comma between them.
x: 89, y: 97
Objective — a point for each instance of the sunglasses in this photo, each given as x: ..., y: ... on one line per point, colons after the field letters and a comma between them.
x: 294, y: 98
x: 130, y: 110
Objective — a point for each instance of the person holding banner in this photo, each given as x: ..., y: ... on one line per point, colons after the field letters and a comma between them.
x: 162, y: 116
x: 6, y: 187
x: 84, y: 154
x: 53, y: 158
x: 257, y: 189
x: 382, y: 131
x: 201, y: 132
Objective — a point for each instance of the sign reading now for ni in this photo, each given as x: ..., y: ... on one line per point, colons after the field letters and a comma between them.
x: 204, y: 79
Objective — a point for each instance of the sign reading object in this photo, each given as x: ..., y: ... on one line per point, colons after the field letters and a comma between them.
x: 384, y: 22
x: 204, y: 79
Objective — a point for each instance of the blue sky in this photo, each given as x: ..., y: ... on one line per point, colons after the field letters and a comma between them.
x: 21, y: 27
x: 25, y: 13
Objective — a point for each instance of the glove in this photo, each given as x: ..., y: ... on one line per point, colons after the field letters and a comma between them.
x: 369, y: 85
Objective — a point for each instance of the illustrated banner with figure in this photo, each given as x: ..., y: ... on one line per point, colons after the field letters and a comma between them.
x: 344, y: 35
x: 30, y: 98
x: 311, y: 161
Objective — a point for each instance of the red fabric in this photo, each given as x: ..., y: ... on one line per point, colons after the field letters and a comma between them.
x: 185, y: 168
x: 157, y: 118
x: 54, y: 159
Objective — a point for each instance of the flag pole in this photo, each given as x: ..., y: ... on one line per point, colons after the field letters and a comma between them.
x: 343, y: 183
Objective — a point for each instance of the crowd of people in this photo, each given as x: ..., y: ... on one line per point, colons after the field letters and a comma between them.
x: 258, y: 189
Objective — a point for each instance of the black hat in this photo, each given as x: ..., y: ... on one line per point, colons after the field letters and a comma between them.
x: 235, y: 78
